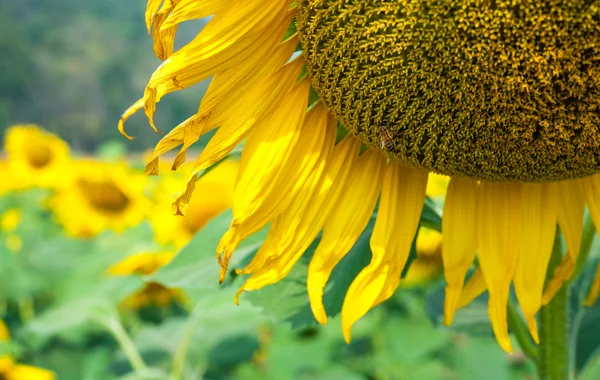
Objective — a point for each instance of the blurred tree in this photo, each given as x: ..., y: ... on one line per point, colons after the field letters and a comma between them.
x: 73, y: 66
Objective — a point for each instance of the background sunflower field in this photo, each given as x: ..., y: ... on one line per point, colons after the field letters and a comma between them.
x: 99, y: 280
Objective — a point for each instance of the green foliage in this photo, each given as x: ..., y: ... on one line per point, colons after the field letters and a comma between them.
x: 76, y: 324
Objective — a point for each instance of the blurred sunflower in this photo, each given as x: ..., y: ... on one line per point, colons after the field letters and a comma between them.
x: 9, y: 370
x: 501, y: 96
x: 153, y: 293
x: 428, y: 263
x: 36, y: 157
x: 101, y: 196
x: 213, y: 195
x: 9, y: 221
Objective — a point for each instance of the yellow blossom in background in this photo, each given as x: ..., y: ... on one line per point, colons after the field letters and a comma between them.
x: 36, y: 157
x: 213, y: 195
x: 428, y: 263
x: 8, y: 183
x: 101, y: 196
x: 9, y: 370
x: 153, y: 293
x: 9, y: 221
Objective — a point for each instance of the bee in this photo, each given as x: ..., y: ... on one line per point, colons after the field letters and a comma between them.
x: 385, y: 138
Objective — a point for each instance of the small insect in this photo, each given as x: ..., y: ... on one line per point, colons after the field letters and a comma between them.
x: 385, y: 138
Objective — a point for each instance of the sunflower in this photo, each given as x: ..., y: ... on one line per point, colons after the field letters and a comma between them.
x: 101, y: 196
x: 9, y: 370
x: 36, y: 157
x: 213, y: 195
x: 153, y: 293
x: 501, y: 96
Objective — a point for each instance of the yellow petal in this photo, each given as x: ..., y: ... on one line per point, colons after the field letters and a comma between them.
x: 26, y: 372
x: 571, y: 207
x: 186, y: 10
x: 266, y: 153
x: 437, y: 185
x: 592, y: 296
x: 592, y: 197
x: 231, y: 37
x: 259, y: 201
x: 164, y: 38
x: 345, y: 225
x: 402, y: 198
x: 295, y: 229
x: 474, y: 287
x: 138, y: 105
x: 151, y: 9
x: 539, y: 228
x: 191, y: 133
x: 267, y: 97
x: 500, y: 220
x: 171, y: 140
x: 459, y: 244
x: 305, y: 217
x: 222, y: 96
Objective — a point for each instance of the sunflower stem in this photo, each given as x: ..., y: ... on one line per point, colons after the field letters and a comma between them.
x: 188, y: 335
x: 553, y: 361
x: 133, y: 356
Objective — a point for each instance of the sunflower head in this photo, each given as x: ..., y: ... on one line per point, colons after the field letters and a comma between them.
x: 495, y: 90
x: 101, y: 196
x: 36, y: 157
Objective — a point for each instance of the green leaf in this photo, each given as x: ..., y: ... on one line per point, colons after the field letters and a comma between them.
x: 146, y: 374
x: 479, y: 358
x: 424, y: 340
x: 592, y: 368
x: 431, y: 215
x: 96, y: 302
